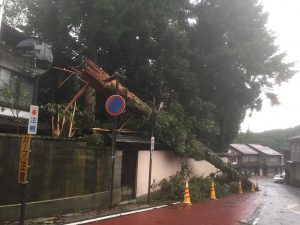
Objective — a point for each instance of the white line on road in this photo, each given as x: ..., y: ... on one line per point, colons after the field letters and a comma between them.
x: 255, y: 221
x: 293, y: 208
x: 118, y: 215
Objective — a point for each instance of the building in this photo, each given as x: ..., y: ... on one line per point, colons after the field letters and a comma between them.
x: 255, y: 159
x: 21, y: 61
x: 16, y: 88
x: 270, y: 160
x: 293, y: 165
x: 245, y: 158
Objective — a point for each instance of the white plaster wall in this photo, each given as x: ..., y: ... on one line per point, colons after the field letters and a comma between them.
x: 165, y: 164
x: 201, y: 168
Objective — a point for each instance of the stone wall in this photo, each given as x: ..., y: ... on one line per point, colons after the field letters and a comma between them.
x: 59, y: 169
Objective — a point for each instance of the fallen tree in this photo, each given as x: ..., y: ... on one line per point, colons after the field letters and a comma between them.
x: 95, y: 77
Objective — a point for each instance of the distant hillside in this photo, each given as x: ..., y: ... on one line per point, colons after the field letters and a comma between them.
x: 275, y: 139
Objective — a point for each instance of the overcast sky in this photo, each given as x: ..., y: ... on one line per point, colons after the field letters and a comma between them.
x: 284, y: 18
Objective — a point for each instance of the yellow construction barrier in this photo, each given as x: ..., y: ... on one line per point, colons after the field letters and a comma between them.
x: 252, y: 187
x: 186, y: 199
x: 240, y: 187
x: 212, y: 190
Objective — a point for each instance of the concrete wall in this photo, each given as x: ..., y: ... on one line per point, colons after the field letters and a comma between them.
x: 202, y: 168
x: 60, y: 171
x: 294, y: 174
x: 165, y: 164
x: 295, y: 154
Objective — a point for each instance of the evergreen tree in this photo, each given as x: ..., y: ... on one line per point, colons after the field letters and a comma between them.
x: 208, y: 71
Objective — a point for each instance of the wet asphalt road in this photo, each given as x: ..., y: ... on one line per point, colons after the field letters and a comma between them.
x: 275, y: 204
x: 226, y: 211
x: 280, y: 205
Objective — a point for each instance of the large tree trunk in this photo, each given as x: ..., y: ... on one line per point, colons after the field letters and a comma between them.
x: 90, y: 102
x: 90, y: 94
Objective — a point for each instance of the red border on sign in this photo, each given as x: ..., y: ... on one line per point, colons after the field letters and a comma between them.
x: 120, y: 110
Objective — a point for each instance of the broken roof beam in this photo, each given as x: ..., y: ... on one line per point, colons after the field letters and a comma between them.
x: 95, y: 76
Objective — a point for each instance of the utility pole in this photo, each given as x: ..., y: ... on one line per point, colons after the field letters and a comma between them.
x: 151, y: 148
x: 113, y: 151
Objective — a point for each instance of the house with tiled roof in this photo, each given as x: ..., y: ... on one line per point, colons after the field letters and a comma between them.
x: 270, y: 160
x: 255, y: 159
x: 244, y: 158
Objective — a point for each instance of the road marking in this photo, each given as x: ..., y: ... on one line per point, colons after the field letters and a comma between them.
x: 292, y: 207
x: 255, y: 221
x: 119, y: 214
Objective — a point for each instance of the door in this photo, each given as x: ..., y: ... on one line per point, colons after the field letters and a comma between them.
x: 128, y: 175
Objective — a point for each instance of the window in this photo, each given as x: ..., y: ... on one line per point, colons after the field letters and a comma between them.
x: 38, y: 42
x: 37, y: 51
x: 253, y: 158
x: 245, y: 158
x: 273, y: 159
x: 15, y: 90
x: 6, y: 86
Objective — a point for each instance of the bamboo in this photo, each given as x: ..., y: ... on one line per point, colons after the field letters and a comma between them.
x: 71, y: 133
x: 75, y: 98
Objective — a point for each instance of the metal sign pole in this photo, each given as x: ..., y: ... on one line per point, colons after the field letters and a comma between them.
x: 24, y: 157
x: 23, y: 204
x: 23, y: 171
x: 151, y: 148
x: 113, y: 152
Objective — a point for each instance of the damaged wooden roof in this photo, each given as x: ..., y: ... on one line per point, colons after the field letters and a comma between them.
x: 95, y: 77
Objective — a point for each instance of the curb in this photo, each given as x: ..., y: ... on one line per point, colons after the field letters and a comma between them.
x: 120, y: 214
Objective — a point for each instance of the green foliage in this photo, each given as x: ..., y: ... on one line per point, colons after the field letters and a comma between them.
x: 275, y: 139
x: 94, y: 139
x: 208, y: 73
x: 59, y: 118
x: 10, y: 98
x: 199, y: 187
x: 233, y: 187
x: 222, y: 190
x: 172, y: 188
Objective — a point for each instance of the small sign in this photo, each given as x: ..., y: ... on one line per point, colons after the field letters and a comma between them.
x: 23, y: 160
x: 33, y: 119
x: 115, y: 105
x: 152, y: 144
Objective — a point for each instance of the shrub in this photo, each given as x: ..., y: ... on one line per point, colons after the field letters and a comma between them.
x: 173, y: 188
x: 233, y: 187
x: 222, y: 190
x: 95, y: 139
x: 199, y: 188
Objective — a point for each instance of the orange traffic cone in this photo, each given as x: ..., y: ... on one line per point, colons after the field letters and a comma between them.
x: 252, y: 187
x: 187, y: 199
x: 212, y: 190
x: 240, y: 187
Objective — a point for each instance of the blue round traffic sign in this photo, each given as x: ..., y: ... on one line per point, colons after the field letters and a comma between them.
x: 115, y: 105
